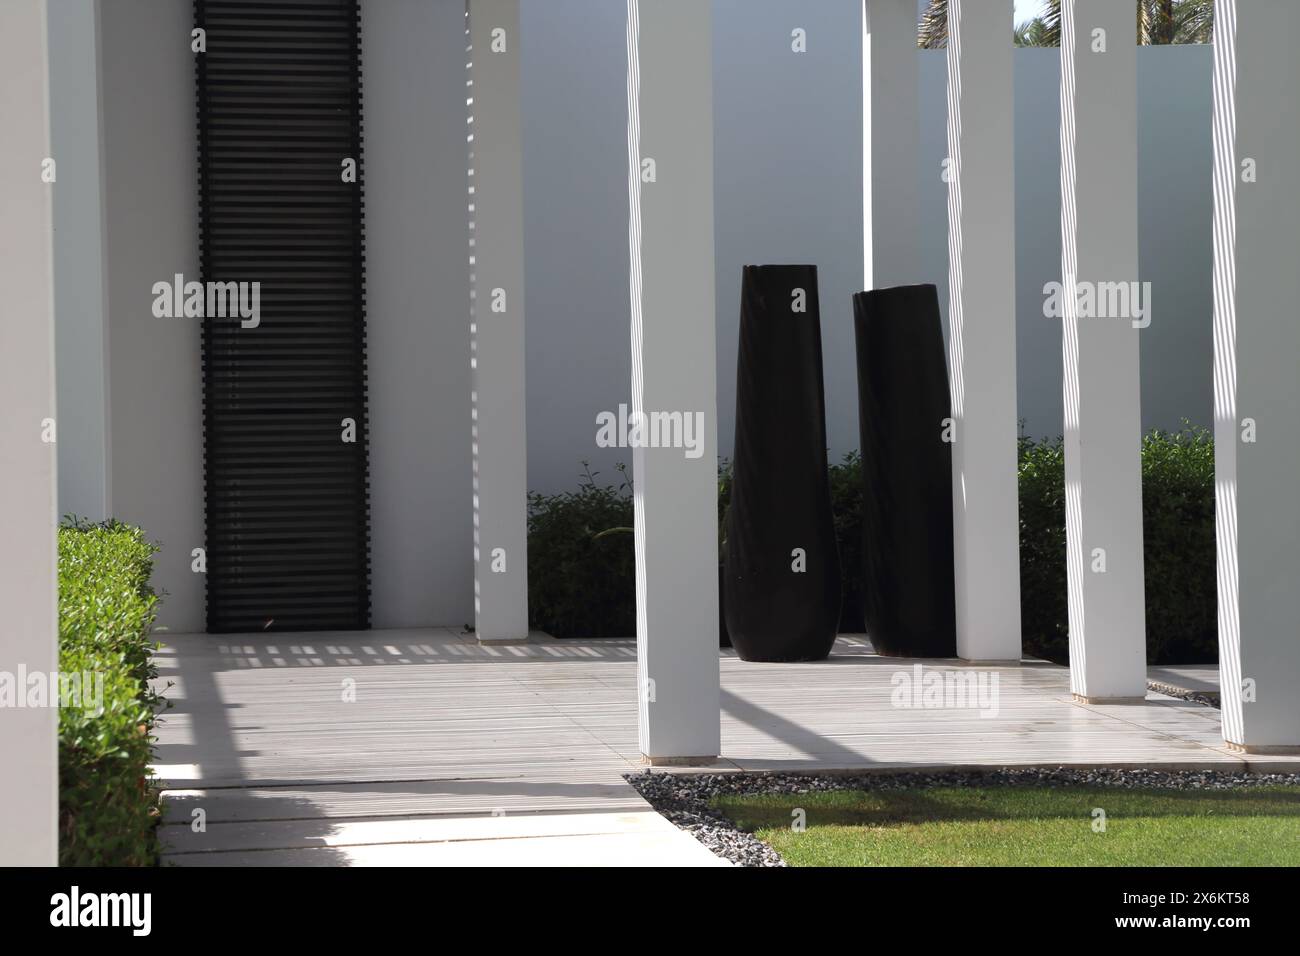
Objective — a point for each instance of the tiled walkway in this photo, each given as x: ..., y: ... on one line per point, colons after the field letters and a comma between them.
x: 420, y: 747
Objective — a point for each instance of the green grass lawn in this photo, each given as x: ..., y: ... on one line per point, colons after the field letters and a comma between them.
x: 1028, y: 826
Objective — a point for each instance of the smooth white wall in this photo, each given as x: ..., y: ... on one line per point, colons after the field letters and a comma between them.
x: 788, y: 162
x: 1038, y: 239
x: 417, y: 312
x: 29, y: 641
x: 151, y: 207
x: 1174, y: 241
x: 788, y: 174
x: 788, y: 188
x: 574, y: 113
x: 81, y: 335
x: 417, y: 302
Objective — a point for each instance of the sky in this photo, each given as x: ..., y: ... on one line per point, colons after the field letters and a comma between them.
x: 1027, y: 9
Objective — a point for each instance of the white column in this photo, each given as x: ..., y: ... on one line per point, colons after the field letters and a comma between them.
x: 1103, y: 420
x: 670, y: 191
x: 891, y: 107
x: 81, y: 342
x: 496, y: 198
x: 982, y: 329
x: 28, y: 590
x: 1256, y: 357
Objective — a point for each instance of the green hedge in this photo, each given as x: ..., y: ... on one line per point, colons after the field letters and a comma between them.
x: 1044, y: 617
x: 582, y: 573
x: 1178, y: 538
x: 582, y: 582
x: 108, y: 803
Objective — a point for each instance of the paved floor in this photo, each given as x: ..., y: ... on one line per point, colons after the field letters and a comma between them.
x: 420, y: 747
x: 1191, y: 678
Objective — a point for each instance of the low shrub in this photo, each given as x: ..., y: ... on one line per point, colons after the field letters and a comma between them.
x: 846, y: 503
x: 1044, y: 617
x: 1178, y: 527
x: 1178, y: 547
x: 581, y: 566
x: 582, y: 563
x: 581, y: 560
x: 108, y: 803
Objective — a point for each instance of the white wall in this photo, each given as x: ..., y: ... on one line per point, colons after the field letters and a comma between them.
x: 788, y: 188
x: 78, y: 257
x: 788, y: 173
x: 417, y: 312
x: 417, y: 302
x: 1175, y: 240
x: 788, y: 161
x: 1174, y: 209
x: 151, y: 205
x: 29, y: 639
x: 574, y: 110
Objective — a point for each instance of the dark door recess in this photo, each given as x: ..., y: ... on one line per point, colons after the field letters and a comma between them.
x: 287, y: 509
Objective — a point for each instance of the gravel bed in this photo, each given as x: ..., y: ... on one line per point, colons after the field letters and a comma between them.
x: 1169, y: 690
x: 684, y: 797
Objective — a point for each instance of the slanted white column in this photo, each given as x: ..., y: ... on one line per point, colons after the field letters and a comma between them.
x: 81, y: 343
x: 670, y: 192
x: 1103, y: 420
x: 982, y: 329
x: 1256, y: 357
x: 891, y: 107
x: 496, y: 204
x: 28, y: 589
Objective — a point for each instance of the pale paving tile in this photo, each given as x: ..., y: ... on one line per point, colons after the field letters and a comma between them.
x: 262, y: 740
x: 607, y: 849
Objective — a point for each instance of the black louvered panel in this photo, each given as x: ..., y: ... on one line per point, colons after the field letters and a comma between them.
x: 279, y: 100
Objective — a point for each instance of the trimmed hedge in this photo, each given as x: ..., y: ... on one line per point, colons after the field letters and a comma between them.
x: 582, y: 571
x: 108, y: 804
x: 581, y: 562
x: 1178, y: 547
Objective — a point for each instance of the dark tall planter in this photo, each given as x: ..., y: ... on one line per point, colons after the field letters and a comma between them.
x: 907, y: 472
x: 780, y: 495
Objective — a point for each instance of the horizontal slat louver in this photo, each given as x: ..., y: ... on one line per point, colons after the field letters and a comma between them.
x: 287, y: 509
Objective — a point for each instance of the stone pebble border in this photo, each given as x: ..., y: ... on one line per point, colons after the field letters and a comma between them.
x: 1169, y: 690
x: 683, y: 798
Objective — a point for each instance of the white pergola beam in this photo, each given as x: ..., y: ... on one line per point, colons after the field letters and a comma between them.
x: 891, y: 102
x: 1256, y: 133
x: 670, y: 186
x: 497, y: 331
x: 28, y: 583
x: 1103, y: 421
x: 982, y: 329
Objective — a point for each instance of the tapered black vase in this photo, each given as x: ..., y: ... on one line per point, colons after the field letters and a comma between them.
x: 903, y: 401
x: 782, y: 573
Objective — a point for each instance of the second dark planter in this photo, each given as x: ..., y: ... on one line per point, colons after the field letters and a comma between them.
x: 782, y: 574
x: 907, y: 472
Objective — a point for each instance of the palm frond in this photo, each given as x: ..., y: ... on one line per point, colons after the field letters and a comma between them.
x: 933, y: 31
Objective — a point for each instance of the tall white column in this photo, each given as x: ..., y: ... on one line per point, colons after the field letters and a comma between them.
x: 670, y: 192
x: 980, y: 170
x: 81, y: 343
x: 891, y: 104
x: 1103, y: 420
x: 28, y: 590
x: 1256, y: 357
x: 496, y: 203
